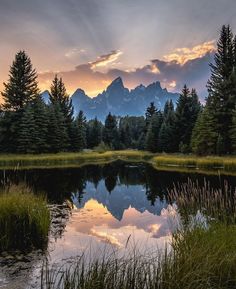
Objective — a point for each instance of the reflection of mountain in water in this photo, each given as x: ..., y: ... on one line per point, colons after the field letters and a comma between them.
x: 121, y: 198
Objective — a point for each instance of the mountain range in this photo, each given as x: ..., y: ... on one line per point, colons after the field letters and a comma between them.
x: 119, y: 100
x: 122, y: 198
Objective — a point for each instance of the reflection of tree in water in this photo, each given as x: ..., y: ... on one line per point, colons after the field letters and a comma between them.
x: 60, y: 184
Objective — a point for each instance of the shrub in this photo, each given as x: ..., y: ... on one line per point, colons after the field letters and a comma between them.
x: 24, y: 219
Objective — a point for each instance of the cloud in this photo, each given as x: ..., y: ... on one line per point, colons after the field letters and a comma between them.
x: 105, y: 237
x: 106, y: 59
x: 74, y: 52
x: 191, y: 68
x: 183, y: 55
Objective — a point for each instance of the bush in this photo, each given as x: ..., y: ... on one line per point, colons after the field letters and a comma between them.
x: 24, y: 219
x: 102, y: 147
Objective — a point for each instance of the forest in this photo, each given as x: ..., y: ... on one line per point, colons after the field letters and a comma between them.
x: 29, y: 125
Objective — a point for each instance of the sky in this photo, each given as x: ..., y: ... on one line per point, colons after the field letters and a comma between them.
x: 91, y: 42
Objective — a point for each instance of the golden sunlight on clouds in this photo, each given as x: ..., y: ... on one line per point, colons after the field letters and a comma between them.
x: 106, y: 59
x: 172, y: 84
x: 74, y: 52
x: 182, y: 55
x: 154, y: 69
x: 104, y: 236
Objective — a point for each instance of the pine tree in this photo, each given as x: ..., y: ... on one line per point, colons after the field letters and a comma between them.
x: 125, y: 136
x: 9, y: 123
x: 59, y: 95
x: 41, y: 121
x: 150, y: 112
x: 204, y: 136
x: 26, y: 131
x: 95, y: 133
x: 187, y: 110
x: 81, y: 122
x: 22, y: 86
x: 150, y: 142
x: 57, y: 132
x: 167, y: 130
x: 221, y: 87
x: 110, y: 133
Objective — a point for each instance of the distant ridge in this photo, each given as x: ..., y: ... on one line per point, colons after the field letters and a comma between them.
x: 120, y: 100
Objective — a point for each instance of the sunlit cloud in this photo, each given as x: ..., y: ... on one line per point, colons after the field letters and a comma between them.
x: 171, y: 74
x: 74, y: 52
x: 154, y: 69
x: 182, y: 55
x: 106, y: 237
x: 172, y: 84
x: 106, y: 59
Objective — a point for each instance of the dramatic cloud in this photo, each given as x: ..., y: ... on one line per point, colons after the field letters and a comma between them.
x: 58, y: 35
x: 190, y: 66
x: 183, y: 55
x: 106, y: 59
x: 74, y: 52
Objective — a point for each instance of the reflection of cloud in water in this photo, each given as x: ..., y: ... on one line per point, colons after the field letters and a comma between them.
x: 94, y: 227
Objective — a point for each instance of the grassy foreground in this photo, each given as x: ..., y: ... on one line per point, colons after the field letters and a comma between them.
x: 24, y: 219
x: 200, y: 259
x: 161, y: 161
x: 203, y: 254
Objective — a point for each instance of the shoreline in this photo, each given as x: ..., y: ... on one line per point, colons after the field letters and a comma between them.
x: 168, y: 162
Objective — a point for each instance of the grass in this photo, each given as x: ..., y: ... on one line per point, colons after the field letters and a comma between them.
x: 202, y: 255
x: 219, y: 204
x: 24, y: 219
x: 200, y: 259
x: 212, y: 164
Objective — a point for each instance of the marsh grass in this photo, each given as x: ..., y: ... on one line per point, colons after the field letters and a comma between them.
x: 216, y: 203
x: 201, y: 257
x: 24, y: 219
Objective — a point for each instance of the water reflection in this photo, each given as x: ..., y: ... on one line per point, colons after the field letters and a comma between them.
x: 115, y: 207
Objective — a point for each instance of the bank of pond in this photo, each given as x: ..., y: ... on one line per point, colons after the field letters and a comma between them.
x: 205, y: 164
x: 116, y: 225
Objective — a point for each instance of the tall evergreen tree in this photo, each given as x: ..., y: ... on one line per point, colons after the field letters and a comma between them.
x: 221, y: 87
x: 167, y: 130
x: 94, y: 133
x: 26, y: 131
x: 150, y: 112
x: 110, y: 132
x: 81, y: 122
x: 187, y: 110
x: 41, y: 122
x: 22, y: 86
x: 204, y: 137
x: 152, y: 136
x: 57, y: 131
x: 59, y: 95
x: 125, y: 135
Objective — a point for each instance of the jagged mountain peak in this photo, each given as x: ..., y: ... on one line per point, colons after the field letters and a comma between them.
x: 121, y: 101
x: 155, y: 85
x: 117, y: 83
x: 45, y: 95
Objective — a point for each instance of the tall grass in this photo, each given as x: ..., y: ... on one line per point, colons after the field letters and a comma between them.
x: 201, y: 257
x: 24, y: 219
x: 99, y: 156
x: 217, y: 203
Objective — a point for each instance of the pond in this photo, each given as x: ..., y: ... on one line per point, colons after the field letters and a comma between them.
x: 97, y: 209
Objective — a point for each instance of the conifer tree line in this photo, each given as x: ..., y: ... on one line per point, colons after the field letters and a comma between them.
x: 29, y: 125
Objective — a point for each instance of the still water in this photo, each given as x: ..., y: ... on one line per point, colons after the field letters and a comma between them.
x: 96, y: 209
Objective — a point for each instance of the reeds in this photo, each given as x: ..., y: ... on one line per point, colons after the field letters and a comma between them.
x: 24, y: 219
x: 201, y: 256
x: 213, y: 163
